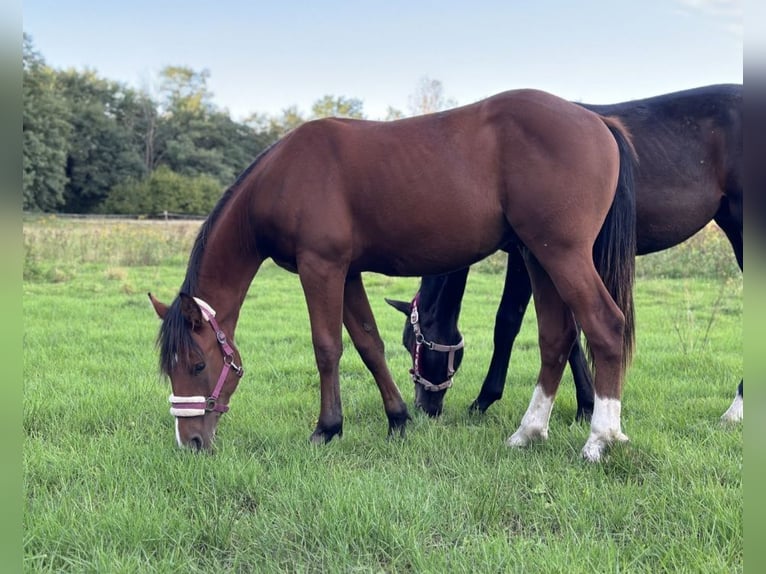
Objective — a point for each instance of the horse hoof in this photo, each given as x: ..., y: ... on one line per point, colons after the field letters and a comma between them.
x: 397, y: 422
x: 595, y: 447
x: 323, y: 435
x: 524, y: 436
x: 735, y: 413
x: 517, y: 440
x: 584, y: 415
x: 592, y: 451
x: 476, y: 407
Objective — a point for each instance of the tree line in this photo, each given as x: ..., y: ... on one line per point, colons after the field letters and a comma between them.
x: 94, y: 145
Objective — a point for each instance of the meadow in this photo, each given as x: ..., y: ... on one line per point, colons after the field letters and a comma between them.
x: 107, y: 490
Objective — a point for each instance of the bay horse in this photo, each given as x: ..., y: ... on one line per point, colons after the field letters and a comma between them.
x: 690, y: 150
x: 419, y: 196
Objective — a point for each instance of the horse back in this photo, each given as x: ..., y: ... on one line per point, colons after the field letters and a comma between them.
x: 377, y: 193
x: 689, y: 145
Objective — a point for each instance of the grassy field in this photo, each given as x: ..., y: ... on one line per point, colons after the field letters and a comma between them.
x: 107, y: 490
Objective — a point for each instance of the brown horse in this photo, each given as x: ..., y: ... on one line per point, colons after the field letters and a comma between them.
x: 424, y: 195
x: 691, y: 171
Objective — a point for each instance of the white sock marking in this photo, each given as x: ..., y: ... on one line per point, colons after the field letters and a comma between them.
x: 605, y: 428
x: 534, y: 423
x: 735, y: 413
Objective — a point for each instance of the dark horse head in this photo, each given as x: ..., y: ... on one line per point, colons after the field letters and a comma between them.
x: 432, y: 338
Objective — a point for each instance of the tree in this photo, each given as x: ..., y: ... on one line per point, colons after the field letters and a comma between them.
x: 193, y: 137
x: 338, y: 106
x: 185, y: 90
x: 103, y: 149
x: 429, y: 97
x: 45, y: 129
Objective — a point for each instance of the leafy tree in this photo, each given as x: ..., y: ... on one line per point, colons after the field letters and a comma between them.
x: 185, y: 90
x: 338, y: 106
x: 193, y: 137
x: 45, y: 131
x: 102, y: 143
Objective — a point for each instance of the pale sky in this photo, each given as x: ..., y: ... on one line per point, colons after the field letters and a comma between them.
x: 264, y: 56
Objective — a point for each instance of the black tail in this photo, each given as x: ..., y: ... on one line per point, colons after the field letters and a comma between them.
x: 614, y: 252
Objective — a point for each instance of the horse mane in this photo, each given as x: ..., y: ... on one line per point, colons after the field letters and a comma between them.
x: 174, y: 338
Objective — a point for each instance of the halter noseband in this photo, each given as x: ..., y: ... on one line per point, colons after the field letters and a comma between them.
x: 420, y: 341
x: 199, y: 405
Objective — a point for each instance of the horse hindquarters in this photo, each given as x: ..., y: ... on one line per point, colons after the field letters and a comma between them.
x: 601, y: 301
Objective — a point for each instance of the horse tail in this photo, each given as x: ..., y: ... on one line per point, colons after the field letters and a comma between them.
x: 614, y: 252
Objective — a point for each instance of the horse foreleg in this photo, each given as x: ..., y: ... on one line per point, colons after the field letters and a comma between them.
x: 583, y: 381
x: 361, y: 326
x: 556, y: 333
x: 731, y: 223
x: 322, y: 283
x: 517, y: 292
x: 735, y: 412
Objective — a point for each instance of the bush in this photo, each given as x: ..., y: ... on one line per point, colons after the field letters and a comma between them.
x: 164, y: 190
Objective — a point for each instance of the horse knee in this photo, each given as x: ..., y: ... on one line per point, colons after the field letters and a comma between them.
x: 327, y: 354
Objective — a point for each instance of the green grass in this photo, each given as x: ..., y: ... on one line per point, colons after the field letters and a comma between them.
x: 107, y: 490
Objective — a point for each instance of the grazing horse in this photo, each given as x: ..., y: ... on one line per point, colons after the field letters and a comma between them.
x: 419, y: 196
x: 689, y: 145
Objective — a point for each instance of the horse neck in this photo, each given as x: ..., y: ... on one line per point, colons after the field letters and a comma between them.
x: 227, y: 266
x: 439, y: 303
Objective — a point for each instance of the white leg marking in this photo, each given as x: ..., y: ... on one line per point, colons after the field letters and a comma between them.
x: 534, y: 424
x: 178, y: 435
x: 604, y: 428
x: 735, y: 412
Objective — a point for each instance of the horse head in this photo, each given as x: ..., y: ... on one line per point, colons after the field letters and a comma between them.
x: 203, y: 366
x: 434, y: 362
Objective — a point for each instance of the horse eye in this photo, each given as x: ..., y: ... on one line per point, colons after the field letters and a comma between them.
x: 198, y: 368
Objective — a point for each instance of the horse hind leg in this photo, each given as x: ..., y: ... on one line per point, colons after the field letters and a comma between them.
x: 556, y: 334
x: 361, y: 326
x: 603, y: 324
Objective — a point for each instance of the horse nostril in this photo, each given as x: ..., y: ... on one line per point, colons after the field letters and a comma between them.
x: 195, y: 442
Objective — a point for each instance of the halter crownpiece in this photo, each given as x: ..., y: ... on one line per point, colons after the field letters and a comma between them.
x: 197, y: 406
x: 207, y: 310
x: 421, y: 341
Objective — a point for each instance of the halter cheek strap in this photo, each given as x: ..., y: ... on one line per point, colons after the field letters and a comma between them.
x: 196, y: 406
x: 420, y: 342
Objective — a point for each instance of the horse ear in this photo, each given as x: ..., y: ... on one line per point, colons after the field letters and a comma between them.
x: 190, y: 310
x: 402, y: 306
x: 160, y: 308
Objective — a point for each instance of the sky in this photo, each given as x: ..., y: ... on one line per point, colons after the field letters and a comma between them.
x: 264, y: 56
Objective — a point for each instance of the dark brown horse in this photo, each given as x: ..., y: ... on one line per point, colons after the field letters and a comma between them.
x: 689, y: 145
x: 424, y: 195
